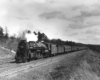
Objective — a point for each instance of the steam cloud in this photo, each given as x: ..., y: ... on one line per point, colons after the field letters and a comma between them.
x: 29, y: 36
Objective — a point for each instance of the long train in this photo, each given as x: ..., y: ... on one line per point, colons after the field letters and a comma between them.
x: 34, y: 50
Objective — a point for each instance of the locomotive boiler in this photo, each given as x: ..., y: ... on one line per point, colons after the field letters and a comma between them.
x: 31, y: 50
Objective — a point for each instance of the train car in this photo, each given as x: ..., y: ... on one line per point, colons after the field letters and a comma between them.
x: 60, y: 49
x: 53, y: 50
x: 67, y: 48
x: 73, y: 48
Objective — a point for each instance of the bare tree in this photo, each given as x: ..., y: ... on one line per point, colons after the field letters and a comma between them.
x: 1, y: 34
x: 6, y: 36
x: 42, y: 37
x: 22, y: 35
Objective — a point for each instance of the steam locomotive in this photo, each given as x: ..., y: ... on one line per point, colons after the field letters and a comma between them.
x: 34, y: 50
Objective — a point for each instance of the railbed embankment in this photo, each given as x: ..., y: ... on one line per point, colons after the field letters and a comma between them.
x: 57, y: 68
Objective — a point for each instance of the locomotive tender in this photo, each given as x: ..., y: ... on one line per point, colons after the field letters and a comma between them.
x: 34, y: 50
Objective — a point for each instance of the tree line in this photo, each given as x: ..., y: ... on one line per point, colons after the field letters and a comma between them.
x: 11, y: 42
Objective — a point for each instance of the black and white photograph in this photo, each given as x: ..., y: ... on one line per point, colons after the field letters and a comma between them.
x: 49, y: 39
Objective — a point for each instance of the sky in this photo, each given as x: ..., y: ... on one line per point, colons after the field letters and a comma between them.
x: 76, y: 20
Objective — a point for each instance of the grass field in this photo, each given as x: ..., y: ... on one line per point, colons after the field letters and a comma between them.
x: 81, y: 67
x: 65, y: 68
x: 89, y: 68
x: 5, y: 53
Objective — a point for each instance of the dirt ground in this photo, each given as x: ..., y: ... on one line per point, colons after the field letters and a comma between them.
x: 59, y: 70
x: 81, y: 65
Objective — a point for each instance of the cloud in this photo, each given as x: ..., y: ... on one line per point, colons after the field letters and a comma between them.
x: 79, y: 17
x: 54, y: 14
x: 20, y: 18
x: 87, y: 11
x: 90, y: 35
x: 27, y: 1
x: 93, y: 32
x: 73, y: 34
x: 78, y: 25
x: 90, y: 39
x: 89, y: 16
x: 63, y: 19
x: 82, y: 24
